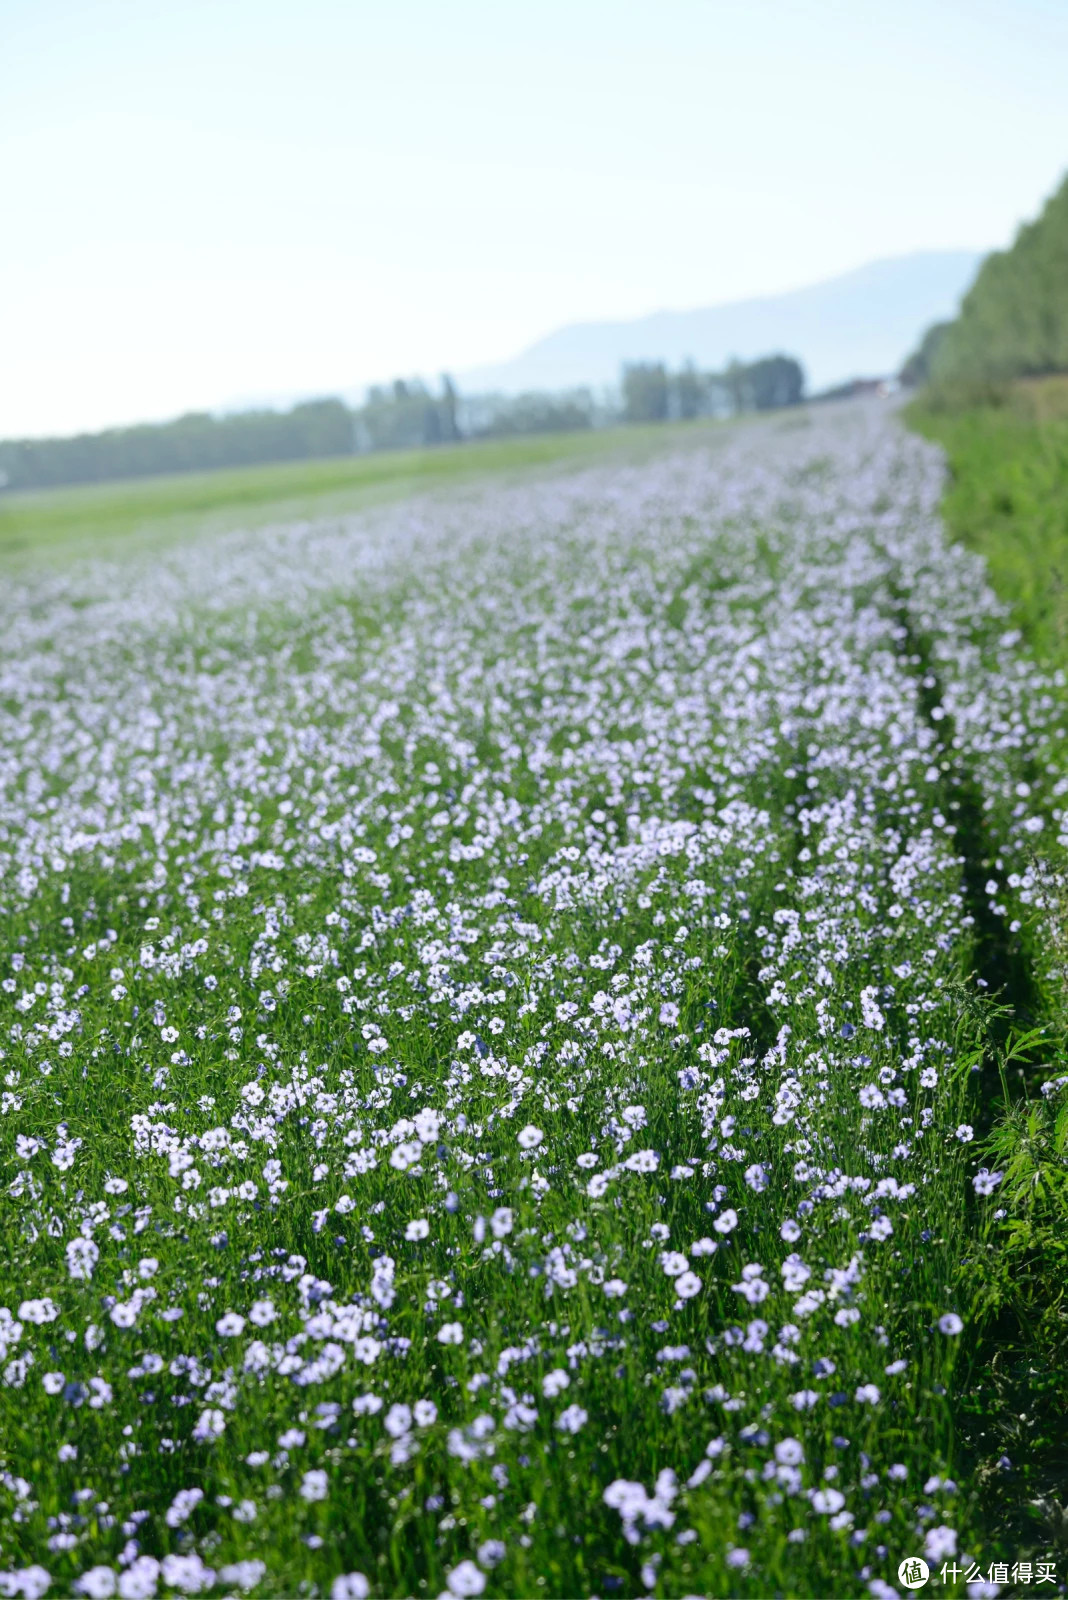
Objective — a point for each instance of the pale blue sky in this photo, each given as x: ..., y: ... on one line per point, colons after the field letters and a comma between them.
x: 212, y: 199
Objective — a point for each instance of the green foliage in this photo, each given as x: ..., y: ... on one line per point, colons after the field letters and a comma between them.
x: 1014, y: 320
x: 191, y: 443
x: 503, y: 417
x: 766, y: 384
x: 652, y: 394
x: 405, y: 416
x: 917, y: 368
x: 689, y: 389
x: 1008, y: 500
x: 1015, y: 1398
x: 645, y: 391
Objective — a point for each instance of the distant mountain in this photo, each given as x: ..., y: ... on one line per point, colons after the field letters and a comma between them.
x: 864, y: 322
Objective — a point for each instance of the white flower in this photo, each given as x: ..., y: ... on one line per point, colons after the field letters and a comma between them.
x: 138, y: 1582
x: 99, y: 1583
x: 572, y: 1419
x: 828, y: 1500
x: 182, y: 1506
x: 528, y: 1138
x: 753, y: 1288
x: 501, y: 1222
x: 940, y: 1543
x: 687, y: 1285
x: 726, y: 1222
x: 418, y: 1228
x: 350, y: 1586
x: 406, y: 1155
x: 186, y: 1573
x: 465, y: 1580
x: 246, y: 1574
x: 642, y: 1161
x: 398, y: 1420
x: 673, y: 1262
x: 314, y: 1485
x: 82, y: 1257
x: 230, y: 1325
x: 804, y: 1399
x: 451, y: 1333
x: 102, y: 1394
x: 38, y: 1311
x: 210, y: 1426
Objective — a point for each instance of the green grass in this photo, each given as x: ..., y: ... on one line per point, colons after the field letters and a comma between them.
x: 1008, y: 500
x: 105, y: 519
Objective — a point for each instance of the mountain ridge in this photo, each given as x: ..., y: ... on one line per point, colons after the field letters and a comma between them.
x: 864, y: 321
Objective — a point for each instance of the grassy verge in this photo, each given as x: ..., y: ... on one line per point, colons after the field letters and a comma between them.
x: 1008, y: 500
x: 107, y: 518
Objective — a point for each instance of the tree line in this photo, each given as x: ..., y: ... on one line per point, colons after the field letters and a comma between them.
x: 653, y: 394
x: 404, y: 414
x: 193, y: 443
x: 1013, y: 322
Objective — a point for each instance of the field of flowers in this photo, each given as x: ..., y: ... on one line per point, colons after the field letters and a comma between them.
x: 488, y: 1022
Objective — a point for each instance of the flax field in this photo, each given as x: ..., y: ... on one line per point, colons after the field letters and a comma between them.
x: 491, y: 1034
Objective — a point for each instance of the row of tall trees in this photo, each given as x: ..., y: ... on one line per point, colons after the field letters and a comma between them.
x: 653, y: 394
x: 404, y: 414
x: 1013, y: 321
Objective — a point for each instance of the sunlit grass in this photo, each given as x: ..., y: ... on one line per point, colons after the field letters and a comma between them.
x: 113, y: 517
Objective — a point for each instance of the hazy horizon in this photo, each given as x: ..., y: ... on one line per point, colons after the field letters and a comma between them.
x: 234, y: 201
x: 474, y: 380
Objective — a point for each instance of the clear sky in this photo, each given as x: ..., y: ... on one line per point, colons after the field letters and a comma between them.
x: 208, y: 200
